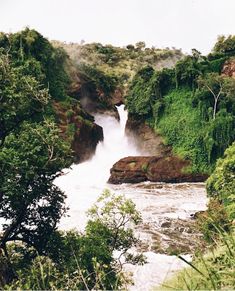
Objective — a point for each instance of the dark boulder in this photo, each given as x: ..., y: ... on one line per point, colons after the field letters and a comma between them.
x: 155, y: 169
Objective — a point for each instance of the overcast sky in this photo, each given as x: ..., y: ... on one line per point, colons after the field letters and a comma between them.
x: 183, y: 24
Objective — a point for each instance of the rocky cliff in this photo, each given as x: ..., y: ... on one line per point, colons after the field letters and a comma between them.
x: 147, y: 141
x: 92, y: 98
x: 79, y: 128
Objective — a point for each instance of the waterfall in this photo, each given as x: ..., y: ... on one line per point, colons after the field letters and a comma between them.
x: 85, y: 182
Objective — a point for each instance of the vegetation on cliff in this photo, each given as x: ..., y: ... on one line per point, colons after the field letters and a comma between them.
x: 190, y: 105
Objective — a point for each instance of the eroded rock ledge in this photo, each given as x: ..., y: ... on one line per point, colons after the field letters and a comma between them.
x: 155, y: 169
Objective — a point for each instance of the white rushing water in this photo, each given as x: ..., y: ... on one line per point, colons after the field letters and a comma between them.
x: 83, y: 183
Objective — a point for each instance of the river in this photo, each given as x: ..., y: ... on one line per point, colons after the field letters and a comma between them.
x: 166, y: 208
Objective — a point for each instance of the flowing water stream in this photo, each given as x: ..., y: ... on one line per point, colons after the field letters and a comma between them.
x: 166, y: 208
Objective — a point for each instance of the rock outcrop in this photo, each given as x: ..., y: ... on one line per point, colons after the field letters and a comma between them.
x: 229, y: 68
x: 155, y: 169
x: 79, y: 128
x: 147, y: 141
x: 93, y: 100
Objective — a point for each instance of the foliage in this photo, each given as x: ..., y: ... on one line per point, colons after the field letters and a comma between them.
x: 214, y: 270
x: 221, y: 183
x: 219, y: 87
x: 225, y: 45
x: 22, y: 97
x: 118, y: 215
x: 30, y: 204
x: 182, y: 128
x: 102, y: 81
x: 32, y: 152
x: 146, y: 91
x: 39, y: 58
x: 187, y: 71
x: 90, y: 260
x: 141, y: 93
x: 191, y: 106
x: 121, y: 62
x: 213, y: 221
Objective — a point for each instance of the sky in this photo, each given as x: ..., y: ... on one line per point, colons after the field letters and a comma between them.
x: 184, y: 24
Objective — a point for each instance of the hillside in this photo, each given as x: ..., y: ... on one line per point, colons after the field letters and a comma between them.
x: 182, y: 106
x: 191, y: 106
x: 121, y: 62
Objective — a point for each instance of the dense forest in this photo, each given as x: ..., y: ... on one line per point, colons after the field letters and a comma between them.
x: 188, y: 100
x: 34, y: 84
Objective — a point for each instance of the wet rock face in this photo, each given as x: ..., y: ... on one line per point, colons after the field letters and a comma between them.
x: 78, y: 127
x: 147, y: 141
x: 155, y: 169
x: 85, y: 140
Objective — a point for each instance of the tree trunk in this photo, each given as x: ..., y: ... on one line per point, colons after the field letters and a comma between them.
x: 7, y: 273
x: 215, y: 108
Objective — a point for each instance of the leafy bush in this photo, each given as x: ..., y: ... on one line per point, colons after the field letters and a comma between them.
x: 214, y: 270
x: 39, y: 58
x: 221, y: 183
x: 90, y: 260
x: 102, y: 81
x: 214, y: 221
x: 225, y: 45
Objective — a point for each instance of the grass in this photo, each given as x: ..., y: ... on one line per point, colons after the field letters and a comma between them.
x: 43, y: 274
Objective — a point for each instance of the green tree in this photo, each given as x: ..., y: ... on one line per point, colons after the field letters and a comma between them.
x: 119, y: 216
x: 140, y: 45
x: 22, y: 97
x: 100, y: 252
x: 225, y: 45
x: 187, y: 71
x: 130, y: 47
x: 220, y: 87
x: 32, y: 154
x: 141, y: 92
x: 30, y: 204
x: 221, y: 184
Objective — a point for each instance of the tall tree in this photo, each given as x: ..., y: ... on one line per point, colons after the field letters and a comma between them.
x: 32, y: 154
x: 219, y: 86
